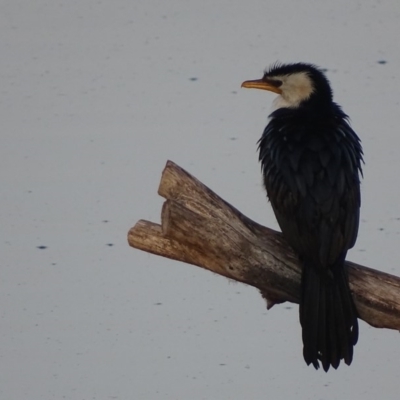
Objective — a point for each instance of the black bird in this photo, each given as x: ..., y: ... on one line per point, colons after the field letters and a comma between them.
x: 311, y: 164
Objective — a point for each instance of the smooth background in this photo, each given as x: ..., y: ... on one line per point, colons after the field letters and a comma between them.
x: 95, y: 96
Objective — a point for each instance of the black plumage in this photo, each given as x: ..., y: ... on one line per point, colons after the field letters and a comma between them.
x: 311, y: 165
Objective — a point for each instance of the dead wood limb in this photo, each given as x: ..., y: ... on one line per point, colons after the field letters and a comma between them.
x: 200, y: 228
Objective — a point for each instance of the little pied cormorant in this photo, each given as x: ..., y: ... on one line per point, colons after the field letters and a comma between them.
x: 311, y: 166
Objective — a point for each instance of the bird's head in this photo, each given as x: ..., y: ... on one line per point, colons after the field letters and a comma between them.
x: 297, y: 84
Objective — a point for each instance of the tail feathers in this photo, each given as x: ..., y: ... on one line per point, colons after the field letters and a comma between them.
x: 328, y: 317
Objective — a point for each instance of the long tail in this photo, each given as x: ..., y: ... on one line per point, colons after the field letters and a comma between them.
x: 328, y: 316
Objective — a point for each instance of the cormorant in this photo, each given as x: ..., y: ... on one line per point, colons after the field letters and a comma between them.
x: 311, y: 165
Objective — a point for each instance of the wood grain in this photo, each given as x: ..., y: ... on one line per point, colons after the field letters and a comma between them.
x: 199, y: 228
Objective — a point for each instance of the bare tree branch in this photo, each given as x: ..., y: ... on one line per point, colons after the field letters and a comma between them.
x: 200, y: 228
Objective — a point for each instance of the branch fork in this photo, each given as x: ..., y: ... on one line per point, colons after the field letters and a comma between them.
x: 199, y: 228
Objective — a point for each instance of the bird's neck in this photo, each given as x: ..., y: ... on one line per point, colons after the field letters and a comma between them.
x: 314, y: 108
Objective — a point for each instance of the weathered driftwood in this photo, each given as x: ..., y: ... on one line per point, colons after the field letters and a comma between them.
x: 198, y: 227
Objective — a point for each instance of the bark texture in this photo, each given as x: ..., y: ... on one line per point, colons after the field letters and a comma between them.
x: 199, y: 228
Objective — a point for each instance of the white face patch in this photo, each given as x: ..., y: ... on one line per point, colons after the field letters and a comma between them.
x: 295, y: 89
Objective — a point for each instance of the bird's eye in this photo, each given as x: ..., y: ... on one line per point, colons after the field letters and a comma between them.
x: 273, y: 81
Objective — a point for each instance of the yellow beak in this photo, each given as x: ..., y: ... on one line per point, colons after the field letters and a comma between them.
x: 260, y: 84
